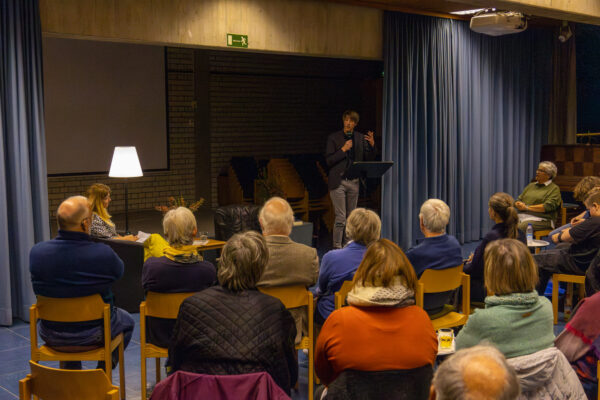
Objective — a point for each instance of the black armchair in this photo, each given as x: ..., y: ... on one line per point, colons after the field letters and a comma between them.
x: 235, y: 218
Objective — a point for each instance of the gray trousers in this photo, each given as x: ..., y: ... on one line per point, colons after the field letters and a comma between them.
x: 344, y: 199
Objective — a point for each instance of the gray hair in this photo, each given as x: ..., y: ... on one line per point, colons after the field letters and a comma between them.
x: 435, y: 214
x: 479, y: 363
x: 179, y: 226
x: 548, y: 167
x: 276, y: 217
x: 363, y: 226
x: 243, y: 260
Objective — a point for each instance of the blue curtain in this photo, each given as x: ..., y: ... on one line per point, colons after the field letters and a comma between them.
x: 464, y: 116
x: 23, y: 186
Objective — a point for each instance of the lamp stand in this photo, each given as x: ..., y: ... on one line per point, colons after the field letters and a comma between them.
x: 126, y: 209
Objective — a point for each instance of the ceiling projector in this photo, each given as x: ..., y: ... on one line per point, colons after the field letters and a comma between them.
x: 498, y: 23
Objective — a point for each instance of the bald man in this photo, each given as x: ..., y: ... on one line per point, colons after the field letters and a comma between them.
x: 290, y: 263
x: 477, y: 373
x: 72, y: 265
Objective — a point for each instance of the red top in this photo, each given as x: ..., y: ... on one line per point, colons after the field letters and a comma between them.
x: 374, y: 339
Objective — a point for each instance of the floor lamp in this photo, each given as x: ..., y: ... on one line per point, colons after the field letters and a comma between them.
x: 125, y: 164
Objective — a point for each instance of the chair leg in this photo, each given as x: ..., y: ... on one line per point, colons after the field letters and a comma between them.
x: 568, y: 301
x: 108, y: 366
x: 143, y: 371
x: 311, y: 373
x: 122, y: 369
x: 157, y: 369
x: 555, y: 299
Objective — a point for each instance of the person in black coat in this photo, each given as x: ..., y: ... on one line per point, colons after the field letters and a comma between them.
x: 503, y: 212
x: 343, y: 148
x: 233, y: 328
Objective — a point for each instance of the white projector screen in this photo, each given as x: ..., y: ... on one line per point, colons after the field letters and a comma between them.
x: 98, y: 95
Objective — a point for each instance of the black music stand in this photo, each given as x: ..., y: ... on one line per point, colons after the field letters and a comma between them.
x: 369, y: 169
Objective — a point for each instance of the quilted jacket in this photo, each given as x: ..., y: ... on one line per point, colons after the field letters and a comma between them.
x: 220, y: 332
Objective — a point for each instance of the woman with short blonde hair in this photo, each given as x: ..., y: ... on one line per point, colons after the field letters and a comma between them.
x: 179, y: 226
x: 243, y: 260
x: 362, y: 228
x: 382, y: 328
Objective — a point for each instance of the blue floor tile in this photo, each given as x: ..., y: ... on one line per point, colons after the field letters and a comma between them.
x: 10, y: 340
x: 6, y: 395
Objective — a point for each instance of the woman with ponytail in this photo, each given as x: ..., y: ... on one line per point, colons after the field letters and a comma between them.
x: 503, y: 212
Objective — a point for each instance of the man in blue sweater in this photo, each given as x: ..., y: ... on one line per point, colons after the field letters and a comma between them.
x: 72, y: 265
x: 437, y: 251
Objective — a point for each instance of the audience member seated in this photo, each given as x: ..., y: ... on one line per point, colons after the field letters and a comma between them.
x: 480, y: 372
x: 233, y: 328
x: 520, y: 324
x: 502, y: 211
x: 584, y: 240
x: 104, y: 228
x: 580, y: 193
x: 437, y: 251
x: 515, y: 318
x: 580, y: 342
x: 362, y: 228
x: 540, y: 201
x: 181, y: 269
x: 290, y: 263
x: 72, y: 265
x: 382, y: 329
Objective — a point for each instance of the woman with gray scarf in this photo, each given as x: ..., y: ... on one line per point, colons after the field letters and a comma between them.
x: 388, y: 332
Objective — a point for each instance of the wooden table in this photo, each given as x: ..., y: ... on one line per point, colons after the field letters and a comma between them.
x: 211, y: 245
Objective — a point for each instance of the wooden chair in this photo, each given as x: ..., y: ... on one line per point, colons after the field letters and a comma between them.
x: 76, y: 309
x: 293, y: 297
x: 445, y: 280
x: 51, y: 383
x: 570, y: 279
x: 158, y: 305
x: 340, y: 295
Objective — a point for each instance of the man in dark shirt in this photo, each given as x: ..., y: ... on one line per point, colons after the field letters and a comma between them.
x: 343, y: 148
x: 72, y: 265
x: 585, y: 243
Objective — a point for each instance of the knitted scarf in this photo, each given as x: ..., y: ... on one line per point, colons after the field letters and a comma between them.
x: 395, y: 295
x: 183, y: 254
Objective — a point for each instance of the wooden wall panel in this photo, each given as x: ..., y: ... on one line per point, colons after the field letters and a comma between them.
x: 289, y: 26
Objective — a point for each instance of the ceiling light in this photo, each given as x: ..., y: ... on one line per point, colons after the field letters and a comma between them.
x: 469, y: 12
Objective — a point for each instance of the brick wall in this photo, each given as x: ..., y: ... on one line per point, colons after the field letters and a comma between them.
x: 267, y: 105
x: 154, y: 187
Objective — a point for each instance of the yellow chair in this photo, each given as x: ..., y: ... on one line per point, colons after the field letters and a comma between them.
x: 570, y: 279
x: 158, y: 305
x: 445, y: 280
x: 340, y: 296
x: 76, y: 309
x: 293, y: 297
x: 64, y: 384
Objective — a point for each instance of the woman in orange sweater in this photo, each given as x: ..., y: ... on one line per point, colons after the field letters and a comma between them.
x: 382, y: 329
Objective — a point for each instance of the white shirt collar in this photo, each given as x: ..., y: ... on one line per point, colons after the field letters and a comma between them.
x: 549, y: 181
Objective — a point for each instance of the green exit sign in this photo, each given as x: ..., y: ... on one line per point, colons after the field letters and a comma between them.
x: 234, y: 40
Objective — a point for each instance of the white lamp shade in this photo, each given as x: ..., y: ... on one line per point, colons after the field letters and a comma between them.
x: 125, y: 163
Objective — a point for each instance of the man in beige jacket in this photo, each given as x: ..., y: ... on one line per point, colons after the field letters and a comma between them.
x: 290, y: 263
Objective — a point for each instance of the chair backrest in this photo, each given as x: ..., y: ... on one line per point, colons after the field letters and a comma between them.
x: 236, y: 218
x: 64, y: 384
x: 441, y: 280
x: 412, y: 384
x: 340, y: 295
x: 291, y: 296
x: 164, y: 305
x: 74, y: 309
x: 188, y: 385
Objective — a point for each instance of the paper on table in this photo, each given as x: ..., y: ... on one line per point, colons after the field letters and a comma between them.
x: 142, y: 236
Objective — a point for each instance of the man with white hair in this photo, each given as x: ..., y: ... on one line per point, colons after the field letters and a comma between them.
x: 290, y: 263
x: 477, y: 373
x: 437, y: 251
x: 72, y: 265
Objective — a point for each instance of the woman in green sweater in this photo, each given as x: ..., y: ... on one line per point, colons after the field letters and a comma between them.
x: 515, y: 318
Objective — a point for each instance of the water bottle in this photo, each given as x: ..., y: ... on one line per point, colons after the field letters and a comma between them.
x: 529, y: 234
